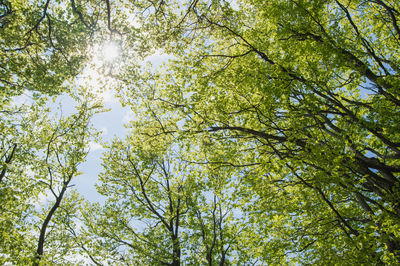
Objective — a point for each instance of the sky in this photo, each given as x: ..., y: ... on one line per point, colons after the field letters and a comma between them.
x: 110, y: 123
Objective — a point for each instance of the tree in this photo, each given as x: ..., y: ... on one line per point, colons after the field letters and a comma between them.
x: 285, y: 112
x: 66, y: 147
x: 43, y: 47
x: 161, y: 211
x: 43, y: 44
x: 45, y: 161
x: 301, y: 99
x: 17, y: 153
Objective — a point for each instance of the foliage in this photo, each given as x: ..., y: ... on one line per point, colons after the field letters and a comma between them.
x: 42, y: 45
x: 43, y: 160
x: 270, y: 137
x: 301, y: 100
x: 161, y: 210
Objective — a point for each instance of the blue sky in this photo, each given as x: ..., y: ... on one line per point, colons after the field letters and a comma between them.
x: 110, y: 123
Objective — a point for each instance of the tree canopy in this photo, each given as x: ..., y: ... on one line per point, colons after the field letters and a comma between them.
x: 270, y: 136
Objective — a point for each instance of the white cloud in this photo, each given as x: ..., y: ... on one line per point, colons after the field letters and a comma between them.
x: 25, y: 98
x: 104, y: 132
x: 107, y: 96
x: 157, y: 58
x: 129, y: 116
x: 94, y: 146
x: 43, y: 200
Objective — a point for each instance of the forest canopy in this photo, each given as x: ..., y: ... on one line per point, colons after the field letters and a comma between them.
x: 270, y: 136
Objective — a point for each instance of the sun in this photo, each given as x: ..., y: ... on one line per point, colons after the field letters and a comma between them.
x: 95, y: 75
x: 105, y: 53
x: 110, y: 51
